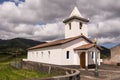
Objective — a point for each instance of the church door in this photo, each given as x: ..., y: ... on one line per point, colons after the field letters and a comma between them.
x: 82, y: 60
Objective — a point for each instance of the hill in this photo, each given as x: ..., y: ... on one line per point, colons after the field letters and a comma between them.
x: 105, y: 52
x: 17, y: 45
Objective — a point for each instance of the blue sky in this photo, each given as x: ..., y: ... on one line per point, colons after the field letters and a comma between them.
x: 1, y: 1
x: 15, y: 1
x: 19, y: 18
x: 109, y: 45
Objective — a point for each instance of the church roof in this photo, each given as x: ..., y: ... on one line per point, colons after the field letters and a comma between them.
x: 59, y: 42
x: 87, y: 46
x: 75, y: 15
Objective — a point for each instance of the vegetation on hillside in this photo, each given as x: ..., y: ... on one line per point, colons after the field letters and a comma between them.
x: 20, y: 46
x: 105, y: 52
x: 17, y: 45
x: 14, y: 50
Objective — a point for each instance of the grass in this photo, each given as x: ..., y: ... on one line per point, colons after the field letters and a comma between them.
x: 7, y: 72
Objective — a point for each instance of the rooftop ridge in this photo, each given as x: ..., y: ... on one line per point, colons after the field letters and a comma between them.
x: 59, y: 42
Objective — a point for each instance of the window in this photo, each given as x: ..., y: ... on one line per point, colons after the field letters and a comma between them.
x: 48, y: 53
x: 32, y: 54
x: 42, y: 54
x: 37, y: 54
x: 92, y: 55
x: 80, y: 25
x: 68, y: 55
x: 70, y: 26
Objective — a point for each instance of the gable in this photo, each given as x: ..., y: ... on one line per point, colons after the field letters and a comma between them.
x: 75, y: 43
x: 88, y: 46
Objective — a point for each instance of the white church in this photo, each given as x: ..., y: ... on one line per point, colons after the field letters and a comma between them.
x: 75, y: 49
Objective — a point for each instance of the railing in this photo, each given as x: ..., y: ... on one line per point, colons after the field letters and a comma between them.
x: 65, y: 73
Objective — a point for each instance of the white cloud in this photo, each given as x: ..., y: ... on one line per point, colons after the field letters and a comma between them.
x: 106, y: 40
x: 49, y: 31
x: 107, y: 31
x: 42, y: 19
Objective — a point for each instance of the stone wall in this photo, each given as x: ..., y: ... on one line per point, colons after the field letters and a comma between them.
x: 107, y: 61
x: 65, y: 73
x: 115, y: 54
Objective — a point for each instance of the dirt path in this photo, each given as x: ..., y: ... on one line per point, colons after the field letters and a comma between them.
x: 106, y: 72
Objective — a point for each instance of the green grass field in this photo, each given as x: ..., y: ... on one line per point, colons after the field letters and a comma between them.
x: 7, y: 72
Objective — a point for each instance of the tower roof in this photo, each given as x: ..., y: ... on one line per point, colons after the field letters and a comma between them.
x: 75, y: 15
x: 75, y: 12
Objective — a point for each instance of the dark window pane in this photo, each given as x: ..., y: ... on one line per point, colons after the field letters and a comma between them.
x: 92, y: 55
x: 80, y: 25
x: 67, y: 55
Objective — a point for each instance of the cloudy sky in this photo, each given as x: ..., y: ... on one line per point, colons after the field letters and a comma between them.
x: 42, y: 19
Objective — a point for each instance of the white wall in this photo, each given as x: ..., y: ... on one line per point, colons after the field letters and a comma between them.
x: 75, y: 29
x: 42, y: 55
x: 57, y: 54
x: 74, y: 57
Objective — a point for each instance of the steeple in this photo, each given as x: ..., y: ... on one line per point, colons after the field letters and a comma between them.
x: 75, y: 15
x: 75, y: 12
x: 75, y: 24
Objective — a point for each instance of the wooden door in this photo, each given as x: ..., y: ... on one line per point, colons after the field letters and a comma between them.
x: 82, y: 60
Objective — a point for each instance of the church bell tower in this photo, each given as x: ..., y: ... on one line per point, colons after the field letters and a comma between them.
x: 75, y: 24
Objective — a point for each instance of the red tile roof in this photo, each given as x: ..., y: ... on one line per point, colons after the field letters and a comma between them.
x: 59, y: 42
x: 87, y: 46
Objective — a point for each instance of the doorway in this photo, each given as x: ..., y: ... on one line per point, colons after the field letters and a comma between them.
x: 82, y: 60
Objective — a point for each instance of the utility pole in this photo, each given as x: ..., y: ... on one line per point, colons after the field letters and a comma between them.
x: 96, y: 56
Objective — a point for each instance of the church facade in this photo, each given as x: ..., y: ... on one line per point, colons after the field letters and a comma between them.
x: 75, y: 49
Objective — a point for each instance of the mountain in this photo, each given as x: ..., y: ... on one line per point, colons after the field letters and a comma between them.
x: 17, y: 45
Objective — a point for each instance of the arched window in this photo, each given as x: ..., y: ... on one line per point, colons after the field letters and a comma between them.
x: 80, y: 25
x: 67, y: 54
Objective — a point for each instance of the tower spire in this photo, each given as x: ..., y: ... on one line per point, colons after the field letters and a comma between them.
x: 75, y: 12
